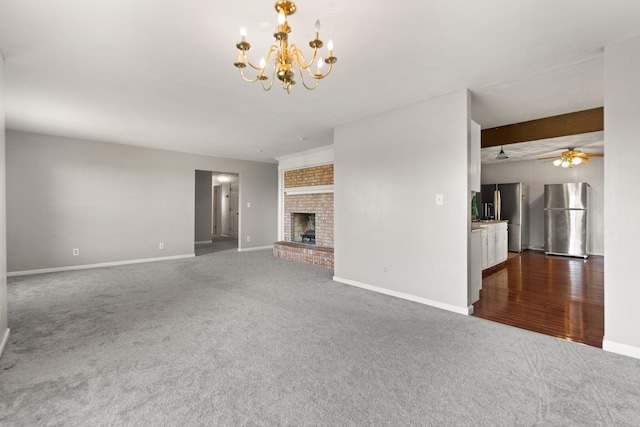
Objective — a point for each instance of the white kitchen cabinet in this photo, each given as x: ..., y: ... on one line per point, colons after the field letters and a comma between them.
x: 491, y: 248
x: 502, y: 243
x: 495, y: 242
x: 485, y: 249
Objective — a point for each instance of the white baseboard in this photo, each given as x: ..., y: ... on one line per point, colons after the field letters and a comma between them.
x: 542, y: 250
x: 258, y: 248
x: 623, y: 349
x: 4, y: 342
x: 459, y: 310
x: 103, y: 264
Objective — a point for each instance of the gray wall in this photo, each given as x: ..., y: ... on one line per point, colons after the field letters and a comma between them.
x: 622, y: 227
x: 388, y: 170
x: 204, y: 191
x: 116, y: 202
x: 536, y: 173
x: 3, y: 217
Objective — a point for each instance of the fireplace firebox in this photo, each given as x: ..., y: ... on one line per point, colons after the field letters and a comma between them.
x: 304, y: 228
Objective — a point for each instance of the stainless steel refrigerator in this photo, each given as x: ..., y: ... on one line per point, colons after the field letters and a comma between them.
x: 565, y: 219
x: 513, y: 207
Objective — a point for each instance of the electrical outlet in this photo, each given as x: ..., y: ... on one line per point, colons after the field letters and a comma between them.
x: 386, y: 269
x: 248, y: 204
x: 76, y: 252
x: 161, y: 246
x: 248, y: 238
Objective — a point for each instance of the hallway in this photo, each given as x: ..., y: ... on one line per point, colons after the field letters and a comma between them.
x: 553, y: 295
x: 218, y: 243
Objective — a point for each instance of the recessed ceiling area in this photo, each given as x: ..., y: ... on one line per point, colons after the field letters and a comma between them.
x: 161, y: 74
x: 592, y: 142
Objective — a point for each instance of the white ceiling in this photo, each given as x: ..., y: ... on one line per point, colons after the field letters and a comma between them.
x: 159, y: 73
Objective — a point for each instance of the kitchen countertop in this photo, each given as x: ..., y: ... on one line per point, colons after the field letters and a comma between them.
x: 477, y: 226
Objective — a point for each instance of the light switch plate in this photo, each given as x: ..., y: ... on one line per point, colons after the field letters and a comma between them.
x: 439, y: 199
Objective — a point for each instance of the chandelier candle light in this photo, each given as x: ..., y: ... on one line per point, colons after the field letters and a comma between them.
x: 286, y: 58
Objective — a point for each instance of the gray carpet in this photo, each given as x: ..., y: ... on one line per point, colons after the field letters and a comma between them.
x: 218, y: 244
x: 247, y: 339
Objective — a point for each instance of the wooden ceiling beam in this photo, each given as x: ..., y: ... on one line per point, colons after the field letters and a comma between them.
x: 550, y: 127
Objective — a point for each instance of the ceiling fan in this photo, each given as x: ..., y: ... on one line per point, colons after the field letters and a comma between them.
x: 572, y: 157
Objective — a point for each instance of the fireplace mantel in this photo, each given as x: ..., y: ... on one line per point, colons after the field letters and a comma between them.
x: 316, y: 189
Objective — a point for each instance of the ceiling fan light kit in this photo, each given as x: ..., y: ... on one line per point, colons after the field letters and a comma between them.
x: 572, y: 157
x: 286, y: 59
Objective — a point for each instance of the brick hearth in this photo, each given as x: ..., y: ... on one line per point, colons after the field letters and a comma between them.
x: 322, y: 257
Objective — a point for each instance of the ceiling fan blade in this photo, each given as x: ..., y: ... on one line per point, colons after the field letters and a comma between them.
x: 594, y: 154
x: 550, y: 158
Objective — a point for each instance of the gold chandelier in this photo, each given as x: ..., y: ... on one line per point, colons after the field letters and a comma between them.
x: 286, y: 58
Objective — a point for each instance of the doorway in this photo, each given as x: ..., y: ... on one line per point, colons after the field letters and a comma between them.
x: 217, y: 211
x: 555, y: 295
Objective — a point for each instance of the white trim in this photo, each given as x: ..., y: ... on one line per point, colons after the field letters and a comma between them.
x: 325, y: 153
x: 202, y: 242
x: 300, y: 167
x: 4, y: 342
x: 623, y: 349
x: 102, y: 264
x: 316, y: 189
x: 257, y: 248
x: 459, y: 310
x: 541, y: 249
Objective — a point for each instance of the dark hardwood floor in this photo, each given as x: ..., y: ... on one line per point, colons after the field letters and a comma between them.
x: 553, y: 295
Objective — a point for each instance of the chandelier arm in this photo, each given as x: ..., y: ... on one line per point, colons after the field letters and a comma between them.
x: 328, y: 71
x: 272, y: 48
x: 308, y: 87
x: 251, y: 64
x: 247, y: 79
x: 273, y: 76
x: 301, y: 61
x: 319, y: 76
x: 305, y: 83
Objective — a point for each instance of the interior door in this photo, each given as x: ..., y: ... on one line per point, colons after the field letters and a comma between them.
x: 216, y: 227
x: 234, y: 212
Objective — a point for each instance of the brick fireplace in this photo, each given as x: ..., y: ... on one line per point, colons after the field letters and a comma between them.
x: 308, y: 216
x: 320, y: 205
